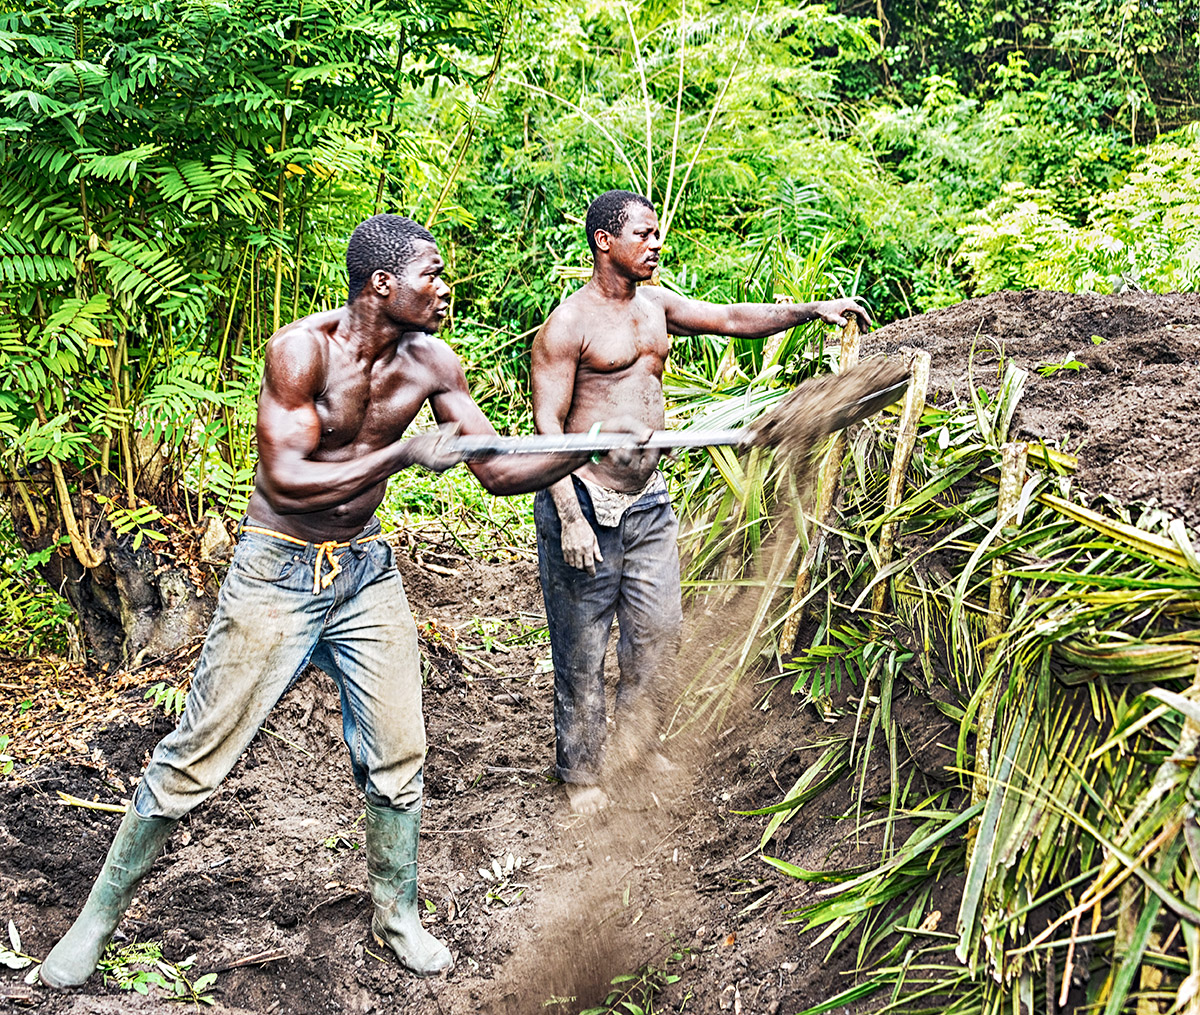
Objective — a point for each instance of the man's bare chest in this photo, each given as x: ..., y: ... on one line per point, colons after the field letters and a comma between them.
x: 614, y: 345
x: 366, y: 409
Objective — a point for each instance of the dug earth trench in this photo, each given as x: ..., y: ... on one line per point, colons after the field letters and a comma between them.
x: 265, y: 884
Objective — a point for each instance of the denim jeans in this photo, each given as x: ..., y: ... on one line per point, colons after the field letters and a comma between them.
x: 638, y: 583
x: 268, y: 626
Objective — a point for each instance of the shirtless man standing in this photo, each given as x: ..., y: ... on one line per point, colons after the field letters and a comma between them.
x: 606, y: 535
x: 312, y: 581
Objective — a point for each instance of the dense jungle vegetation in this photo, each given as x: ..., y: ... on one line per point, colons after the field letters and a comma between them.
x: 180, y: 179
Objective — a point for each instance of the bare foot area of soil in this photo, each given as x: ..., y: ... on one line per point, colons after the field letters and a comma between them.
x: 587, y: 799
x: 266, y: 884
x: 1122, y: 390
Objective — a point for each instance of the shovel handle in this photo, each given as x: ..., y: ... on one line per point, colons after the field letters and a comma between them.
x: 473, y: 447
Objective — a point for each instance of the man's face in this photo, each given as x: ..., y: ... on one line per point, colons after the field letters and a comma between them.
x: 637, y: 247
x: 417, y: 298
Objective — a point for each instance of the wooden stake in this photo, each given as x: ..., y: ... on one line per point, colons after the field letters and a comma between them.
x: 1013, y: 459
x: 906, y: 440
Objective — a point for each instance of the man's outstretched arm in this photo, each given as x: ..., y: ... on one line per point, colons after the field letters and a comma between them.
x: 749, y: 320
x: 505, y: 474
x: 289, y: 434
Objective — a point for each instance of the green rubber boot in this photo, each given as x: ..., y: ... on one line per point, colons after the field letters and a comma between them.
x: 392, y: 872
x: 137, y: 843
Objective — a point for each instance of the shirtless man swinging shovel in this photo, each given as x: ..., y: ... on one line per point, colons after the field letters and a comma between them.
x: 606, y: 535
x: 312, y: 581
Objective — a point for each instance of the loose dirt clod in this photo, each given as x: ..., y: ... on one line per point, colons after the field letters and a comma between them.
x: 831, y: 402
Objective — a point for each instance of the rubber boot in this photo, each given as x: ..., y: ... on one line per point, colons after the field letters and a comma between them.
x: 137, y: 843
x: 392, y: 872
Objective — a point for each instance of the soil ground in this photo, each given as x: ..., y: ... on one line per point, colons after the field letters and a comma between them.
x: 265, y: 884
x: 1127, y: 409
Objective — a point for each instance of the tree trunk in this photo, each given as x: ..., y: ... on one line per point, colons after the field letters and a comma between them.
x: 137, y: 605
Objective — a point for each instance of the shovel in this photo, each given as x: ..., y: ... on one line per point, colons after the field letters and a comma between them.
x: 824, y: 405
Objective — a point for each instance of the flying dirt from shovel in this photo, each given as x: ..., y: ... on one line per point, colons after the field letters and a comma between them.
x: 812, y: 411
x: 823, y: 405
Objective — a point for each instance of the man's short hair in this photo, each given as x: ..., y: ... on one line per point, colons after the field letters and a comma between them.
x: 609, y: 212
x: 381, y: 243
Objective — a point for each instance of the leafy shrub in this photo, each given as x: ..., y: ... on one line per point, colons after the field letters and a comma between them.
x: 1144, y: 233
x: 34, y: 619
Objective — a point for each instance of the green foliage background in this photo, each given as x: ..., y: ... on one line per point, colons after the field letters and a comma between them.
x: 180, y: 178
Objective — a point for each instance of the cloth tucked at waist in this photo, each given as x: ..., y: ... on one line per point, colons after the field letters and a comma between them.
x: 609, y: 506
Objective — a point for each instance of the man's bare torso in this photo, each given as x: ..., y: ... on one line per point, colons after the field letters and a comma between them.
x: 623, y: 349
x: 363, y: 403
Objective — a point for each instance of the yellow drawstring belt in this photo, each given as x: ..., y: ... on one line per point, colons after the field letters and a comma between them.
x: 324, y: 553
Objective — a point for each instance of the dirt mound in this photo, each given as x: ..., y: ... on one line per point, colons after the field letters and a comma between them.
x: 1119, y: 384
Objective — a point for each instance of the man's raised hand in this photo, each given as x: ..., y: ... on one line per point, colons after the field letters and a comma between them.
x: 838, y: 311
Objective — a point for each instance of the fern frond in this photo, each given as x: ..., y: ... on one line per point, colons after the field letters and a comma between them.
x: 75, y: 320
x: 40, y: 103
x: 80, y: 73
x: 121, y: 165
x: 176, y: 393
x: 49, y: 158
x: 144, y: 273
x: 116, y: 93
x: 189, y: 184
x: 23, y: 262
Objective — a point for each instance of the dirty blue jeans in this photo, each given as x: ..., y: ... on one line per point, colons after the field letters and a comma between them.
x: 268, y: 626
x: 638, y: 583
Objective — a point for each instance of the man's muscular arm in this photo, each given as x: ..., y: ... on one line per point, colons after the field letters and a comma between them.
x: 503, y: 474
x: 289, y: 434
x: 556, y: 351
x: 748, y: 320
